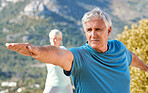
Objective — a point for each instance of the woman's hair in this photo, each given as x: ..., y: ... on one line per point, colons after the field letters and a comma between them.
x: 55, y: 32
x: 96, y: 13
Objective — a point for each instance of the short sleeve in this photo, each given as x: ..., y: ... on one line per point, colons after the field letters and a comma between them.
x: 76, y: 65
x: 129, y: 57
x: 128, y: 53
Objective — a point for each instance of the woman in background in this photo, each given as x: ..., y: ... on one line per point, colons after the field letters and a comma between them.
x: 57, y: 81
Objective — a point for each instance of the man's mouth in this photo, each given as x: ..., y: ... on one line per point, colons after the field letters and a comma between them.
x: 94, y: 40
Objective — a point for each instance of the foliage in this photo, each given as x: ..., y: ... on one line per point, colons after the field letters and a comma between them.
x: 16, y: 27
x: 136, y: 40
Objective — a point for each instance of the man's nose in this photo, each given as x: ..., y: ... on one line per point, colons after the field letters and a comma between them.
x: 94, y: 34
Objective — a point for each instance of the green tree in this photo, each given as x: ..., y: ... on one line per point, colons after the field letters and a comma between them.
x: 136, y: 40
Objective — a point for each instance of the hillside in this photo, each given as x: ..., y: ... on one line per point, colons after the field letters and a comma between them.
x: 32, y: 20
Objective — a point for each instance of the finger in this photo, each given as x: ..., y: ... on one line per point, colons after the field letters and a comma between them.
x: 11, y: 46
x: 17, y: 46
x: 7, y: 44
x: 20, y: 48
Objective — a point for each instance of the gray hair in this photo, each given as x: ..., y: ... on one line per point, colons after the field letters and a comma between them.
x: 96, y: 13
x: 55, y: 32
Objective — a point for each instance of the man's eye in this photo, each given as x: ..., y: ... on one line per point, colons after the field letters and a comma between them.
x: 88, y: 30
x: 98, y: 29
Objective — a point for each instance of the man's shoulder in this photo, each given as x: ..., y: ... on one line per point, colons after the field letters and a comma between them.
x: 114, y: 41
x: 116, y: 44
x: 81, y: 48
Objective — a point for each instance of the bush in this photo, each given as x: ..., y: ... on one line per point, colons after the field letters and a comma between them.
x: 136, y: 40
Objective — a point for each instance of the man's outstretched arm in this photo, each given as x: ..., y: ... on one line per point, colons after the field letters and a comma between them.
x: 45, y: 54
x: 136, y: 62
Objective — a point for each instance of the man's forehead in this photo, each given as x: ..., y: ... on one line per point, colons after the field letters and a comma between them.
x: 94, y: 23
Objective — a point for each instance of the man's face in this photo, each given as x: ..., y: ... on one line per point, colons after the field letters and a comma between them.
x: 54, y: 40
x: 97, y: 34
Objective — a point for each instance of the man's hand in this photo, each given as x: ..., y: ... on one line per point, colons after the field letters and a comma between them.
x: 24, y: 48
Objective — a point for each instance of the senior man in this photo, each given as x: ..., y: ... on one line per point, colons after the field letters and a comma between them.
x: 100, y: 66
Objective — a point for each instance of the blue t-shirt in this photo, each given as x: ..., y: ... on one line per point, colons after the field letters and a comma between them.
x: 101, y: 72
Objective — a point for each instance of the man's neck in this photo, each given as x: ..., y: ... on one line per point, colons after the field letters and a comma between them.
x: 102, y: 49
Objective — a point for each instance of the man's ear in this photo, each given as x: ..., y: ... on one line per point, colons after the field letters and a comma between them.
x: 109, y: 30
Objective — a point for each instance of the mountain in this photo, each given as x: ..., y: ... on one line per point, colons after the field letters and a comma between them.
x: 31, y: 21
